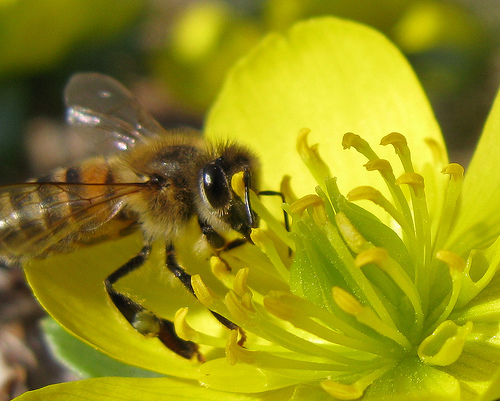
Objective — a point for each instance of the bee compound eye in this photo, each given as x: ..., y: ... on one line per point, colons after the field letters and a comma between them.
x: 215, y: 186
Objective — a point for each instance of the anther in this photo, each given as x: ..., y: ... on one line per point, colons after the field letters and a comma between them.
x: 394, y: 138
x: 346, y: 301
x: 319, y: 214
x: 374, y: 195
x: 240, y: 282
x: 219, y: 268
x: 356, y: 242
x: 239, y: 310
x: 311, y: 157
x: 247, y: 301
x: 342, y: 391
x: 351, y: 139
x: 365, y: 315
x: 366, y: 193
x: 235, y: 352
x: 456, y: 173
x: 182, y: 328
x: 355, y: 141
x: 381, y: 165
x: 401, y: 148
x: 454, y: 261
x: 415, y: 180
x: 377, y: 256
x: 455, y: 170
x: 201, y: 291
x: 298, y: 207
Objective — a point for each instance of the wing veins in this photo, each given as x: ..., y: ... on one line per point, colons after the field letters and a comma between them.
x: 80, y: 216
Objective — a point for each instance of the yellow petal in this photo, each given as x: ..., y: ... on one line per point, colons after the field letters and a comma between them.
x: 331, y: 76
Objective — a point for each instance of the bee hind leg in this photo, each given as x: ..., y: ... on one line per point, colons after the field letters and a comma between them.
x: 143, y: 320
x: 185, y: 279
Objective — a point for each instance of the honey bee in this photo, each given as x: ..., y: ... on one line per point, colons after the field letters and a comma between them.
x: 146, y: 178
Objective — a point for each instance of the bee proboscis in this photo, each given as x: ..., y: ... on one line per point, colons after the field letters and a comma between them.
x: 146, y: 178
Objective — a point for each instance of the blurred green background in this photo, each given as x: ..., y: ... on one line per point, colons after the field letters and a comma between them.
x: 173, y: 54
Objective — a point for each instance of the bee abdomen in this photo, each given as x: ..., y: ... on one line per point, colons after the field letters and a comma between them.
x: 17, y: 223
x: 61, y: 211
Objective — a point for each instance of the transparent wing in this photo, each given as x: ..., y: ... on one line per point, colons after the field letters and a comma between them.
x: 37, y: 219
x: 117, y: 119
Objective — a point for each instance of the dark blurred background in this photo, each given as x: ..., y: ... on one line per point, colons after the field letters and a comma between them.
x: 173, y: 54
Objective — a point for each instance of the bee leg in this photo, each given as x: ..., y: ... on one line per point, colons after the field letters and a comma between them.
x: 143, y: 320
x: 185, y: 279
x: 217, y: 241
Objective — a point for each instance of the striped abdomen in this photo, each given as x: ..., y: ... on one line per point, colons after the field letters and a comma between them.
x: 69, y: 208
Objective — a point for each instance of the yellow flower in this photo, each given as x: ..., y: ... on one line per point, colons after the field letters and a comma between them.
x: 391, y: 290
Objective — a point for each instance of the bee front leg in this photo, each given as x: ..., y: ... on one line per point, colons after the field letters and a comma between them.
x: 217, y: 241
x: 185, y: 279
x: 143, y: 320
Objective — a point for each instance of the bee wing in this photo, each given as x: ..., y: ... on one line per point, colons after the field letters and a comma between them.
x: 102, y: 103
x: 37, y: 219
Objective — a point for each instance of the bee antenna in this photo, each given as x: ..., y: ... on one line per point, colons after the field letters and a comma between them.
x: 248, y: 208
x: 285, y: 214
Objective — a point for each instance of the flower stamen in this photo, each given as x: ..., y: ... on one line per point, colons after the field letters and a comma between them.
x: 240, y: 282
x: 381, y: 258
x: 400, y: 145
x: 355, y: 141
x: 456, y: 266
x: 374, y: 195
x: 301, y: 205
x: 182, y: 328
x: 386, y: 172
x: 201, y: 291
x: 267, y: 246
x: 301, y: 313
x: 456, y: 173
x: 365, y: 315
x: 311, y: 158
x: 352, y: 237
x: 188, y: 333
x: 422, y: 228
x: 220, y: 270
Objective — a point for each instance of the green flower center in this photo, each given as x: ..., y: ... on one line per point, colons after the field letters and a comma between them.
x: 359, y: 296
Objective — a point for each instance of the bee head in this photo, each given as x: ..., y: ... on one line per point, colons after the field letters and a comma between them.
x: 218, y: 196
